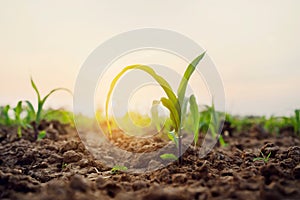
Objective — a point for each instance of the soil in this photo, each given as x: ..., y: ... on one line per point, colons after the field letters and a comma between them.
x: 59, y: 167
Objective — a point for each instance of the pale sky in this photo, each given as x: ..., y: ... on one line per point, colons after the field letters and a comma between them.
x: 254, y: 44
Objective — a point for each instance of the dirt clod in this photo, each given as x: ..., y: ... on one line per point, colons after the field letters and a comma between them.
x: 71, y: 156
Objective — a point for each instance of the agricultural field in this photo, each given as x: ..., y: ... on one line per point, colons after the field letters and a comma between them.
x: 43, y: 157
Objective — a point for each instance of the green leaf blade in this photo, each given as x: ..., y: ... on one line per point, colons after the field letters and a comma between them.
x: 168, y: 156
x: 187, y: 74
x: 195, y: 116
x: 35, y: 89
x: 173, y: 112
x: 162, y: 82
x: 42, y: 134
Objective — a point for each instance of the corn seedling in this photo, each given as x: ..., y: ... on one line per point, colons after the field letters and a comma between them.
x: 15, y: 118
x: 64, y: 165
x: 210, y: 121
x: 41, y: 101
x: 19, y: 122
x: 173, y: 102
x: 5, y: 119
x: 263, y: 158
x: 117, y: 168
x: 296, y: 122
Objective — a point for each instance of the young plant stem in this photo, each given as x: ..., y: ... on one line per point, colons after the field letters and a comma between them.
x: 35, y: 129
x: 179, y: 149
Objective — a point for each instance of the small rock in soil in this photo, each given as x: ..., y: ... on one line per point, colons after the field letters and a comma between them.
x: 294, y: 153
x: 269, y: 171
x: 71, y: 156
x: 112, y: 188
x: 72, y: 145
x: 164, y: 194
x: 137, y: 185
x: 269, y: 147
x: 296, y: 172
x: 179, y: 178
x: 77, y: 183
x: 164, y: 175
x: 100, y: 181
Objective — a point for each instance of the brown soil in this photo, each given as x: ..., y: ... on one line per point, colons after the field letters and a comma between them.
x: 59, y: 167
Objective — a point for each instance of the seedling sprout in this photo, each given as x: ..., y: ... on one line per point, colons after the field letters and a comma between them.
x: 263, y: 158
x: 175, y: 103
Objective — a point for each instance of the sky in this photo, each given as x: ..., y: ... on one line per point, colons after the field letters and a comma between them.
x: 254, y: 44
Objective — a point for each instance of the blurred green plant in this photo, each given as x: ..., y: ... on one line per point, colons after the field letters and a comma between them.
x: 168, y: 156
x: 23, y: 116
x: 118, y: 168
x: 263, y: 158
x: 12, y: 117
x: 296, y: 121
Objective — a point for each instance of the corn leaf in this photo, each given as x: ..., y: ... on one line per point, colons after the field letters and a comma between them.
x: 30, y: 111
x: 168, y: 156
x: 187, y: 75
x: 42, y: 134
x: 42, y: 102
x: 55, y: 90
x: 35, y: 89
x: 297, y: 121
x: 18, y: 110
x: 173, y: 112
x: 183, y: 109
x: 6, y: 115
x: 162, y: 82
x: 195, y: 116
x: 173, y: 137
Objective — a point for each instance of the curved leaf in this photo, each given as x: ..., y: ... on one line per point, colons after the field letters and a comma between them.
x: 173, y: 112
x: 35, y: 89
x: 162, y: 82
x: 42, y: 102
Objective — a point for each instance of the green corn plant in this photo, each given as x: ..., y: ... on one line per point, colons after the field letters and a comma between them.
x: 209, y: 120
x: 41, y: 101
x: 296, y: 122
x: 5, y: 119
x: 173, y: 102
x: 18, y: 120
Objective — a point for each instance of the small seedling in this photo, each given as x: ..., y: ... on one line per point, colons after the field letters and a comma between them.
x: 263, y: 158
x: 41, y: 101
x: 296, y: 122
x: 210, y: 120
x: 175, y: 103
x: 14, y: 118
x: 5, y: 119
x: 168, y: 156
x: 42, y: 134
x: 64, y: 165
x: 117, y: 168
